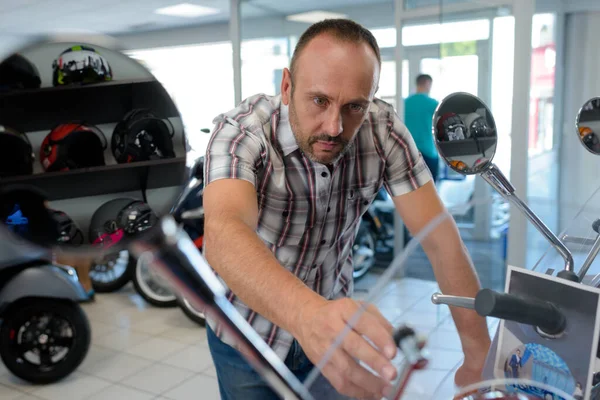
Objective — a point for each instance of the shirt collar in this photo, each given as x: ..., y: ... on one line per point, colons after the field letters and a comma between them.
x: 287, y: 140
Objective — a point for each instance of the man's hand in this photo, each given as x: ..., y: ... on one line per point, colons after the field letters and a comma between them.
x: 320, y: 323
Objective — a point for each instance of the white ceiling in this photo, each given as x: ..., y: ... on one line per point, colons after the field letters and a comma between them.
x: 128, y: 16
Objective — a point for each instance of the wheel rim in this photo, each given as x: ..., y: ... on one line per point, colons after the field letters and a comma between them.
x: 363, y: 254
x: 151, y: 283
x: 191, y: 308
x: 110, y: 268
x: 43, y: 341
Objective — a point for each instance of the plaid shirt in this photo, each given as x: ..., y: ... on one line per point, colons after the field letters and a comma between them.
x: 309, y: 216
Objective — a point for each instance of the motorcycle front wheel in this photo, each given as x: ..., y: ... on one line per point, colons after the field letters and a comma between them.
x: 44, y: 340
x: 189, y: 310
x: 150, y: 285
x: 112, y: 272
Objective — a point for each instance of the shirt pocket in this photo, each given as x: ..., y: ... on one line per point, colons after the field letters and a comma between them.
x: 282, y: 222
x: 358, y: 201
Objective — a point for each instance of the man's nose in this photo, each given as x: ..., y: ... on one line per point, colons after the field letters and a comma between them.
x: 333, y: 124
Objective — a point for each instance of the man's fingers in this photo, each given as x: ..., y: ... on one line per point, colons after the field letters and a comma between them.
x: 358, y: 348
x: 353, y: 372
x: 368, y: 325
x: 372, y: 309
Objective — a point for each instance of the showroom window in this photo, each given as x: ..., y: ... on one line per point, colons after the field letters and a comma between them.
x: 200, y: 80
x: 263, y: 61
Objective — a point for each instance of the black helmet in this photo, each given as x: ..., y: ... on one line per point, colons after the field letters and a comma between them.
x: 120, y: 218
x: 17, y: 72
x: 478, y: 126
x: 451, y: 127
x: 17, y: 158
x: 68, y: 230
x: 82, y: 65
x: 141, y: 136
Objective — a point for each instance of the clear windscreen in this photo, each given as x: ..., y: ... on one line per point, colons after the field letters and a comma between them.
x: 406, y: 302
x: 580, y: 222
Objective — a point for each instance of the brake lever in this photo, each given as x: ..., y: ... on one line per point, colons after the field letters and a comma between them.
x: 414, y: 358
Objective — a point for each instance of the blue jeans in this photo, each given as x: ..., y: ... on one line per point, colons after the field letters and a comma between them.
x: 238, y: 379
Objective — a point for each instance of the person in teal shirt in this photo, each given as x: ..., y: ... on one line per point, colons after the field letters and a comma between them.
x: 418, y: 115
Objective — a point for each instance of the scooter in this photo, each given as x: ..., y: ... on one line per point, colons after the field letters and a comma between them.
x: 44, y: 334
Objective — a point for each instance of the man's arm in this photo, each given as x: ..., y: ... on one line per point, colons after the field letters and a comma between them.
x: 251, y: 271
x: 236, y: 252
x: 453, y: 270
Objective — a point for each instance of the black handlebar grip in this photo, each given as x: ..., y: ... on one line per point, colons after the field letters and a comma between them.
x: 542, y: 314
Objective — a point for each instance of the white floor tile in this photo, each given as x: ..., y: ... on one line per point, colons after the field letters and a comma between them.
x: 210, y: 371
x: 158, y: 378
x: 117, y: 368
x: 76, y: 386
x: 8, y: 393
x: 193, y: 358
x: 96, y: 354
x: 156, y: 348
x: 117, y: 392
x: 187, y: 335
x: 425, y: 382
x: 444, y: 359
x: 122, y: 339
x: 190, y: 389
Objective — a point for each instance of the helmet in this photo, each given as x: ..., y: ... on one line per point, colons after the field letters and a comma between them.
x: 18, y: 156
x: 68, y: 230
x: 17, y: 72
x: 477, y: 126
x: 80, y: 64
x: 71, y: 146
x: 120, y: 218
x: 450, y: 127
x: 459, y: 165
x: 23, y: 211
x: 141, y: 136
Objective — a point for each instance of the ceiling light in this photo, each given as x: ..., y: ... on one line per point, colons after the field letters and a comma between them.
x: 312, y: 17
x: 186, y: 10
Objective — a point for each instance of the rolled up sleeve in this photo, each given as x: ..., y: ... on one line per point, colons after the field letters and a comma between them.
x: 233, y: 152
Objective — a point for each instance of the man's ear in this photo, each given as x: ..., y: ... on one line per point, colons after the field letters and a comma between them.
x: 286, y: 86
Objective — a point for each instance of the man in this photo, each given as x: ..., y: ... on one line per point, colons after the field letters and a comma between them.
x: 418, y: 111
x: 515, y: 364
x: 287, y: 178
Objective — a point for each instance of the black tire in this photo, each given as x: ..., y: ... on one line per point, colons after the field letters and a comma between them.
x: 101, y: 268
x: 190, y: 312
x: 164, y: 299
x: 18, y: 329
x: 365, y: 240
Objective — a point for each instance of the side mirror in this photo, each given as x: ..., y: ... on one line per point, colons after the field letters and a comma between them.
x: 465, y: 135
x: 588, y: 125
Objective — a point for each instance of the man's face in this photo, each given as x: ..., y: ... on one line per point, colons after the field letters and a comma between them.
x: 333, y: 86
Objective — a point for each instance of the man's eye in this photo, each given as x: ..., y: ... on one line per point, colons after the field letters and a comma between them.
x: 356, y: 108
x: 320, y: 101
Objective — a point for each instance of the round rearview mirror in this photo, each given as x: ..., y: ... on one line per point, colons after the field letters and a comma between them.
x: 465, y: 133
x: 93, y: 147
x: 588, y: 125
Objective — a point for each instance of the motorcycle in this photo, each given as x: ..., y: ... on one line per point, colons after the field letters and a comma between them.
x: 44, y: 334
x: 187, y: 211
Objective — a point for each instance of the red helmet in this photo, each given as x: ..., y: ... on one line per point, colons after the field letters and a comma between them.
x: 71, y: 146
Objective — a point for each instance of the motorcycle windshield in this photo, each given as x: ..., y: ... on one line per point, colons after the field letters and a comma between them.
x: 579, y: 225
x: 426, y: 362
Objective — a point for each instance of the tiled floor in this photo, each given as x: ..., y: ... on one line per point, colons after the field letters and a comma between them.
x: 140, y: 352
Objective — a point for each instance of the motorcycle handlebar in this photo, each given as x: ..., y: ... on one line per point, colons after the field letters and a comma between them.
x: 543, y: 314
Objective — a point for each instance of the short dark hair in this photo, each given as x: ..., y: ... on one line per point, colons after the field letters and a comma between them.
x: 342, y: 29
x: 424, y: 78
